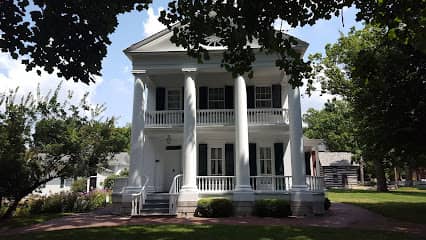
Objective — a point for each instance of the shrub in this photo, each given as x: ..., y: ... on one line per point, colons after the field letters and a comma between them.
x: 97, y: 199
x: 109, y: 182
x: 53, y: 204
x: 79, y: 185
x: 327, y: 204
x: 36, y: 206
x: 214, y: 207
x: 69, y: 200
x: 272, y: 208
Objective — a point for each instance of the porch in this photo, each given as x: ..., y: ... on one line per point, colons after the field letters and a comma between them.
x: 216, y: 117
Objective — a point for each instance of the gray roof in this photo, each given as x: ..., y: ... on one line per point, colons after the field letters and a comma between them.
x: 336, y: 159
x: 122, y: 158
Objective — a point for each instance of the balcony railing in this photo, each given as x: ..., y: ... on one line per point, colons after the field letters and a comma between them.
x: 212, y: 117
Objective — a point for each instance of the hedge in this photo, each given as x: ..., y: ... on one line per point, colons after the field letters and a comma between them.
x: 214, y: 207
x: 272, y: 208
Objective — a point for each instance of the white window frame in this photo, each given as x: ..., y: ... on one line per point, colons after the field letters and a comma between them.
x: 208, y: 97
x: 259, y: 161
x: 209, y: 158
x: 263, y: 100
x: 180, y: 98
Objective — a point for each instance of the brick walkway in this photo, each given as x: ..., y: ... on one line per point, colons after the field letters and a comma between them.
x: 339, y: 216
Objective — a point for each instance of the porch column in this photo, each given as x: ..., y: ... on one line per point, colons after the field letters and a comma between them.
x: 189, y: 132
x: 137, y: 132
x: 296, y: 139
x: 241, y: 137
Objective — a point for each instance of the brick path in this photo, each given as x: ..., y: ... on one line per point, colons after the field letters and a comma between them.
x: 339, y: 216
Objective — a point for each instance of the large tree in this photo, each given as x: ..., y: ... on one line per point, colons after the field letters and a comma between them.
x: 42, y: 138
x: 384, y: 81
x: 72, y: 35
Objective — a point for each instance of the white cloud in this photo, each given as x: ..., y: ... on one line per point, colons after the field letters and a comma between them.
x: 152, y: 25
x: 316, y: 100
x: 13, y: 74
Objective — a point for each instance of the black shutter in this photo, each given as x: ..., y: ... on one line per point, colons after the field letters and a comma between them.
x: 308, y: 163
x: 183, y: 96
x: 229, y: 97
x: 250, y: 97
x: 160, y: 99
x: 276, y: 96
x: 202, y: 159
x: 229, y: 159
x: 278, y: 154
x: 203, y: 98
x: 252, y: 159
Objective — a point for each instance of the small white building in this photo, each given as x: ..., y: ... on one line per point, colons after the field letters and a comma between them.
x: 54, y: 186
x: 197, y: 132
x: 118, y: 163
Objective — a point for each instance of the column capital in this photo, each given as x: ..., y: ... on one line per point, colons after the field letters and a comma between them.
x: 189, y: 71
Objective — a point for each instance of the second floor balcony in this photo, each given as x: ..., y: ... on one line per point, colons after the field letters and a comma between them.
x: 216, y: 117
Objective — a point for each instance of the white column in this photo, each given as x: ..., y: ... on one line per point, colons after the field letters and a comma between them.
x: 138, y: 125
x: 241, y: 137
x: 296, y: 139
x: 317, y: 164
x: 189, y: 132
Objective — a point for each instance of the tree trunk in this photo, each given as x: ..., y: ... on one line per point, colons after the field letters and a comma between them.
x: 380, y: 175
x: 11, y: 209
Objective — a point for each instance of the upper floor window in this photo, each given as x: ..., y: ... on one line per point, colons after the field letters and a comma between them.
x: 174, y: 99
x: 265, y: 160
x: 263, y: 97
x: 216, y: 161
x: 216, y: 98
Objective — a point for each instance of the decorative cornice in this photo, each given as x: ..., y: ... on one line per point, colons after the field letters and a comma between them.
x: 135, y: 72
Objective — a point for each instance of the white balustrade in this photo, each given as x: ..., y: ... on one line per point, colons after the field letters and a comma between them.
x: 261, y: 116
x: 315, y: 183
x: 270, y: 183
x: 138, y: 197
x: 215, y: 183
x: 221, y: 117
x: 174, y: 192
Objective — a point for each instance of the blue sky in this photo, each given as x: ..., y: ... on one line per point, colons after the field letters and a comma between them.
x: 114, y: 88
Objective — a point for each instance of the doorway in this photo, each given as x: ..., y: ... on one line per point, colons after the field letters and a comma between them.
x: 172, y: 165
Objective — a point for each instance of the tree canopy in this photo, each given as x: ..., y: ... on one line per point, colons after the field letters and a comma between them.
x: 384, y: 82
x: 43, y: 138
x: 72, y: 36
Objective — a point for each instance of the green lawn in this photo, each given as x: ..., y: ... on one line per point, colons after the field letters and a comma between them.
x: 406, y: 204
x: 207, y: 232
x: 28, y: 220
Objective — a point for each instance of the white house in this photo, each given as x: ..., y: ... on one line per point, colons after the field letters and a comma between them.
x: 197, y: 132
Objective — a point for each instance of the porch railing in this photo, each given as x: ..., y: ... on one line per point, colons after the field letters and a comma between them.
x: 173, y: 193
x: 315, y: 183
x: 139, y: 197
x: 259, y: 116
x: 270, y: 183
x: 215, y: 183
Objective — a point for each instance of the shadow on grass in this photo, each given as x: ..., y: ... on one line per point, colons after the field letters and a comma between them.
x: 206, y: 232
x: 403, y: 211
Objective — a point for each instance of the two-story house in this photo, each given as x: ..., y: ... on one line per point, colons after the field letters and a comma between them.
x: 197, y: 132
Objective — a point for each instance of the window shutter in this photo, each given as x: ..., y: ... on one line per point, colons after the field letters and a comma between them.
x: 252, y: 159
x: 278, y: 155
x: 229, y: 159
x: 160, y: 99
x: 202, y: 159
x: 203, y: 98
x: 183, y: 96
x: 229, y: 97
x: 250, y: 97
x: 276, y: 96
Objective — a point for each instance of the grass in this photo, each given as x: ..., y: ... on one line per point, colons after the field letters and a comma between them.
x: 27, y: 220
x: 207, y: 232
x: 406, y: 204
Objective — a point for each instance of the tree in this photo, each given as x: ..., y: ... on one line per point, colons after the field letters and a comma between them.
x: 384, y: 82
x: 42, y: 138
x: 72, y: 36
x: 334, y: 124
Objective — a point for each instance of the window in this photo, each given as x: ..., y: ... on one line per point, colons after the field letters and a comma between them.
x: 174, y: 99
x: 62, y: 182
x: 263, y: 97
x: 265, y: 160
x: 216, y: 98
x: 216, y: 161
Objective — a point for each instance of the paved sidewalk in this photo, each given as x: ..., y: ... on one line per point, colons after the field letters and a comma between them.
x: 339, y: 216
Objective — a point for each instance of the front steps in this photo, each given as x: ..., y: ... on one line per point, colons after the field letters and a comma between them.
x: 156, y: 204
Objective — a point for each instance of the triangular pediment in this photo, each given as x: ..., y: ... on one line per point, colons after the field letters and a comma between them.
x: 160, y: 42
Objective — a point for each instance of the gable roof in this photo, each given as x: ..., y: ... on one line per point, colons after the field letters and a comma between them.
x: 160, y: 42
x: 336, y: 159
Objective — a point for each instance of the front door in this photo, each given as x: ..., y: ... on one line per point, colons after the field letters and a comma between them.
x: 172, y: 165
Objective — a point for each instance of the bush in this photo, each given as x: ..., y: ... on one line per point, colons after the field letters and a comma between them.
x: 69, y: 200
x: 53, y: 204
x: 327, y: 204
x: 79, y: 185
x: 272, y: 208
x: 109, y: 182
x: 214, y: 207
x: 97, y: 199
x: 36, y: 206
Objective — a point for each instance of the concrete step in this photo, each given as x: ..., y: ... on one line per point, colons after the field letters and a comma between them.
x: 156, y: 201
x: 158, y: 196
x: 154, y: 215
x: 156, y: 205
x: 155, y: 210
